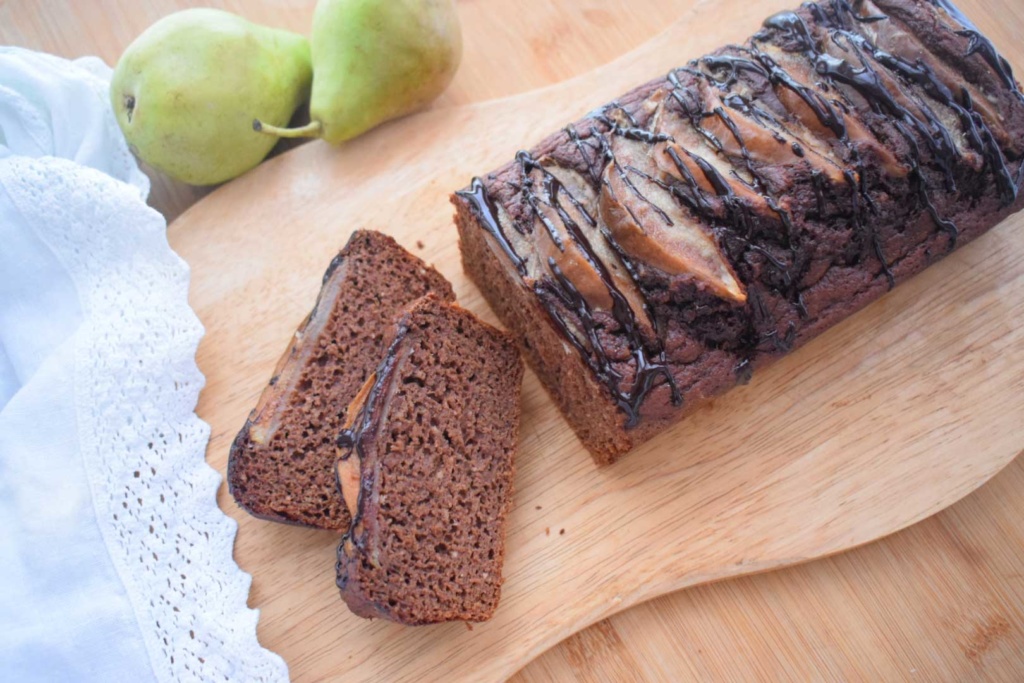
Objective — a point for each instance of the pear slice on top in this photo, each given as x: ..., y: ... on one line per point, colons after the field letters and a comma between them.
x: 652, y: 227
x: 686, y: 147
x: 571, y: 201
x: 743, y: 137
x: 800, y: 69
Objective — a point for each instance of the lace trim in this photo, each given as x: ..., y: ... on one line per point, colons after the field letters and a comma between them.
x: 136, y: 389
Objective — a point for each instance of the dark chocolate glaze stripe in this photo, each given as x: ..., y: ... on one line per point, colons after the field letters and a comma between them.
x: 648, y: 369
x: 365, y: 425
x: 487, y: 212
x: 866, y: 81
x: 979, y: 44
x: 865, y: 70
x: 793, y: 26
x: 693, y: 107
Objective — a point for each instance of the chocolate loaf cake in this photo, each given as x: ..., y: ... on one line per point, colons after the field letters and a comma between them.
x: 281, y: 465
x: 426, y: 467
x: 663, y: 248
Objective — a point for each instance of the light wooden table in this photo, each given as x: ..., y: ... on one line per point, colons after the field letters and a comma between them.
x: 941, y: 601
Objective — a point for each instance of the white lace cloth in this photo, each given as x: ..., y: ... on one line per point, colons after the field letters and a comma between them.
x: 115, y: 561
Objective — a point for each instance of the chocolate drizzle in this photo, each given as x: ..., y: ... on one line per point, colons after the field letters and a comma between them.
x: 822, y: 108
x: 797, y: 37
x: 978, y: 134
x: 649, y: 366
x: 740, y: 215
x: 623, y: 173
x: 592, y: 170
x: 979, y: 44
x: 819, y: 86
x: 365, y: 425
x: 487, y: 212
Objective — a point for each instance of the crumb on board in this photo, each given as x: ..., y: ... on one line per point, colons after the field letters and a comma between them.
x: 561, y: 532
x: 547, y: 531
x: 419, y: 244
x: 539, y: 507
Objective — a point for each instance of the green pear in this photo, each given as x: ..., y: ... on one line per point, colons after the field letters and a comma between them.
x: 185, y: 92
x: 376, y: 60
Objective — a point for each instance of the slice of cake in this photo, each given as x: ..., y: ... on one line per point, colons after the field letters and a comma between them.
x: 281, y: 465
x: 426, y: 466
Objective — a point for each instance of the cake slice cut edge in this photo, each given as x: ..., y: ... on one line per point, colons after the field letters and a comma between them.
x: 431, y: 444
x: 281, y: 464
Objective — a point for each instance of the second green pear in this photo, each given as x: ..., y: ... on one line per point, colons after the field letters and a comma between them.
x: 376, y: 60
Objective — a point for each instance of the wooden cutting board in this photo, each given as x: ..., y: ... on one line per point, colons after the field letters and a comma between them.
x: 884, y: 420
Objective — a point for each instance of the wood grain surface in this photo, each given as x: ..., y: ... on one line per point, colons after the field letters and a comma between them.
x: 943, y: 600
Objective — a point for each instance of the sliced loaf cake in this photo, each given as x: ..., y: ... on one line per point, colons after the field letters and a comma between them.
x: 281, y: 465
x: 426, y: 466
x: 660, y: 250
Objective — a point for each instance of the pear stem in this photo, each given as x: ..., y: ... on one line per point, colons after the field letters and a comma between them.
x: 310, y: 130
